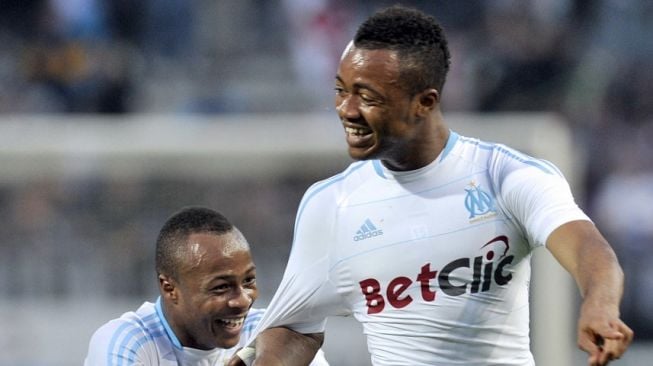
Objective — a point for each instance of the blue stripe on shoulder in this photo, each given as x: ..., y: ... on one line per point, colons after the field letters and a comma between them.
x: 145, y: 321
x: 112, y: 344
x: 543, y: 165
x: 128, y: 353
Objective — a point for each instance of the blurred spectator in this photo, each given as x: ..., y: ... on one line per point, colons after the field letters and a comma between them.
x: 318, y: 30
x: 526, y: 56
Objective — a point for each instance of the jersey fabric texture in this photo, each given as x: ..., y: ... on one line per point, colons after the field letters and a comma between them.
x: 434, y: 263
x: 144, y: 337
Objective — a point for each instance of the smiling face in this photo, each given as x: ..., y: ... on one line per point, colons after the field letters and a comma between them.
x: 215, y: 287
x: 382, y: 120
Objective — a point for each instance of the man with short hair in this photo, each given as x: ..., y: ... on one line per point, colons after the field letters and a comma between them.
x: 207, y: 284
x: 427, y: 239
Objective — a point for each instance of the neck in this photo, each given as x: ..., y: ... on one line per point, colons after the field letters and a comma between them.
x: 423, y: 150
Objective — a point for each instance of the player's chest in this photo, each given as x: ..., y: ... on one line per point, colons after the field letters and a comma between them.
x: 453, y: 239
x: 396, y: 218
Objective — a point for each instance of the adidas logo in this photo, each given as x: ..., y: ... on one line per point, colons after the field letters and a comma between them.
x: 367, y: 230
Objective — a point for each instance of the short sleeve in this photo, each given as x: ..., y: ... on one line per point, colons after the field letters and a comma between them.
x: 306, y: 296
x: 540, y: 201
x: 117, y: 342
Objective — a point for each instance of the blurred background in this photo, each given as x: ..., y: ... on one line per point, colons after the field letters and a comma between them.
x: 116, y: 113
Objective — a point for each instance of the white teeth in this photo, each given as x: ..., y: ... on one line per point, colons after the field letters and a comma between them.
x: 232, y: 322
x: 355, y: 131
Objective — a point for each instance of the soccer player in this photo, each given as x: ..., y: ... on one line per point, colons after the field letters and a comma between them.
x: 426, y: 240
x: 207, y: 282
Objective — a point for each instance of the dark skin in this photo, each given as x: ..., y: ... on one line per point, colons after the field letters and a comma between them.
x: 404, y: 131
x: 583, y: 251
x: 207, y: 300
x: 407, y: 132
x: 283, y: 347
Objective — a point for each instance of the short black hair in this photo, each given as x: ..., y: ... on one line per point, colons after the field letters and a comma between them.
x: 419, y: 41
x: 175, y: 231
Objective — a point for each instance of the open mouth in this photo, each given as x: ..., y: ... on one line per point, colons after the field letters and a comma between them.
x: 357, y: 131
x: 358, y: 136
x: 231, y: 323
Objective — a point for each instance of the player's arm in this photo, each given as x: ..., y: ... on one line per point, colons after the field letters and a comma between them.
x: 282, y: 347
x: 583, y: 251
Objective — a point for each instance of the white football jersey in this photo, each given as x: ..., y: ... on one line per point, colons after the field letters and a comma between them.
x: 434, y: 263
x: 144, y: 337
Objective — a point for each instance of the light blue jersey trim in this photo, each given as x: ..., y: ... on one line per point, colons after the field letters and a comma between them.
x: 252, y: 320
x: 451, y: 142
x: 378, y: 168
x: 124, y: 350
x: 540, y: 164
x: 171, y: 334
x: 114, y: 339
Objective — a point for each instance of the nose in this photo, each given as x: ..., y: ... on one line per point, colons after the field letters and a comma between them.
x: 347, y: 107
x: 242, y: 298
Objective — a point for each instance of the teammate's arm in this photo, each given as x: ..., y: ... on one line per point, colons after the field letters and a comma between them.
x: 583, y: 251
x: 284, y: 347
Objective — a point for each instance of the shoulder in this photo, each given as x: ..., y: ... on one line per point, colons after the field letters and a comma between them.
x: 501, y: 160
x: 254, y: 316
x: 325, y: 196
x: 340, y: 184
x: 124, y: 336
x: 252, y: 320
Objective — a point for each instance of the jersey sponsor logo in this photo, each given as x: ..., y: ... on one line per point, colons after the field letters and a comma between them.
x: 486, y: 269
x: 367, y: 230
x: 479, y: 203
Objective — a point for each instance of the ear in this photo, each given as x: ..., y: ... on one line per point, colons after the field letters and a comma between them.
x: 168, y: 288
x: 427, y: 101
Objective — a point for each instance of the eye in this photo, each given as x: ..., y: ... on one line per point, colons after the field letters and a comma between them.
x: 339, y: 91
x: 221, y: 288
x: 367, y: 99
x: 250, y: 281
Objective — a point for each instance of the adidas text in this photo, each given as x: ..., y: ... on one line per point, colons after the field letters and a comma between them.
x: 368, y: 235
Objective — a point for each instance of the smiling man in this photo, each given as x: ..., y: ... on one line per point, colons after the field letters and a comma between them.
x: 207, y: 282
x: 426, y: 238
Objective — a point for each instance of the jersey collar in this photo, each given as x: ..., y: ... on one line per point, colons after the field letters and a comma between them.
x: 166, y: 326
x: 386, y: 173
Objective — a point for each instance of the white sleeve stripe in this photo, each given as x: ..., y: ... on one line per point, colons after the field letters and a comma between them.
x: 127, y: 348
x: 114, y: 339
x: 124, y: 343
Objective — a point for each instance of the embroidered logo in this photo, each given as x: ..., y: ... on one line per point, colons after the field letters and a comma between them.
x: 367, y: 230
x: 479, y: 203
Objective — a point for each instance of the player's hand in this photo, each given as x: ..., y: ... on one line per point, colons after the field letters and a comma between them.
x: 234, y: 361
x: 246, y: 353
x: 602, y: 334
